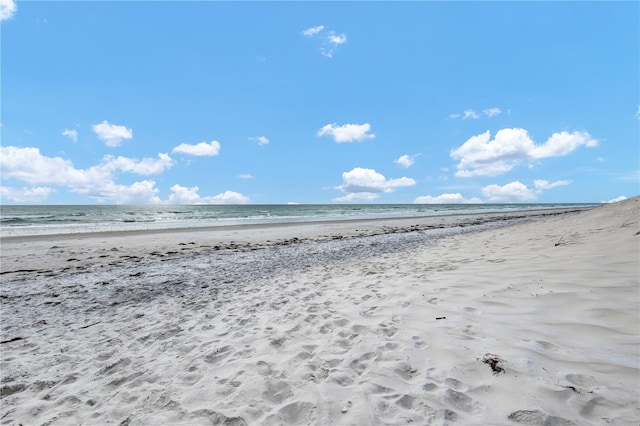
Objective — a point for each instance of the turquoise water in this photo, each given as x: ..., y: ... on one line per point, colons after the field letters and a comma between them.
x: 40, y: 220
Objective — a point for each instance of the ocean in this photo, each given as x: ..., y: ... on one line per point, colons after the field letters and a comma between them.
x: 65, y: 219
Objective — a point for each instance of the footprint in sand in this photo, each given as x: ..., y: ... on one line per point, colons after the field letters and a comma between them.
x: 458, y: 400
x: 300, y: 412
x: 386, y: 329
x: 406, y: 371
x: 264, y: 368
x: 418, y: 342
x: 277, y: 391
x: 360, y: 364
x: 218, y: 355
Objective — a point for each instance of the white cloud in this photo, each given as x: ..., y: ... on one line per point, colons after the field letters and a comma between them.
x: 615, y: 200
x: 481, y: 156
x: 511, y: 192
x: 492, y: 112
x: 469, y: 113
x: 367, y: 183
x: 71, y: 134
x: 97, y: 182
x: 245, y: 176
x: 519, y: 192
x: 30, y: 166
x: 637, y: 116
x: 543, y: 184
x: 310, y: 32
x: 146, y: 166
x: 184, y: 195
x: 337, y: 39
x: 8, y: 8
x: 329, y: 41
x: 347, y: 132
x: 456, y: 198
x: 262, y: 140
x: 201, y: 149
x: 112, y: 134
x: 357, y: 196
x: 561, y: 144
x: 406, y: 160
x: 143, y: 192
x: 229, y: 197
x: 25, y: 195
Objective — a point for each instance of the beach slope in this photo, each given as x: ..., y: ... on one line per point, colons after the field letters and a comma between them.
x: 534, y: 323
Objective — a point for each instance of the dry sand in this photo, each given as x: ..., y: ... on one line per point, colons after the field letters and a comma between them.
x: 529, y: 321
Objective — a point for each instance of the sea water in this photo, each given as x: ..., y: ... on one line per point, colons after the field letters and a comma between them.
x: 64, y: 219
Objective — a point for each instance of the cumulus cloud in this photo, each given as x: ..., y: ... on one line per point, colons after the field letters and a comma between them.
x: 456, y: 198
x: 637, y: 116
x: 511, y: 192
x: 146, y: 166
x: 519, y: 192
x: 97, y: 182
x: 561, y: 144
x: 514, y: 191
x: 615, y: 200
x: 245, y: 176
x: 30, y: 166
x: 8, y: 8
x: 347, y: 132
x: 25, y: 195
x: 201, y: 149
x: 366, y: 184
x: 184, y: 195
x: 143, y: 192
x: 406, y: 160
x: 71, y: 134
x: 229, y: 197
x: 262, y: 140
x: 482, y: 156
x: 112, y: 134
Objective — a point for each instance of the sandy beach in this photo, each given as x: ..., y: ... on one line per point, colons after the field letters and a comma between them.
x: 495, y: 319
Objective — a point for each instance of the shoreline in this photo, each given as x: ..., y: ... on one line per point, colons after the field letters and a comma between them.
x: 61, y: 251
x: 210, y: 228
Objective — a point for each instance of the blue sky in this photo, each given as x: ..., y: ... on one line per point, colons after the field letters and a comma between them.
x: 327, y: 102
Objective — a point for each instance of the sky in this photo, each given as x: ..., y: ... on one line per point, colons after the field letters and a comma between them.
x: 216, y: 102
